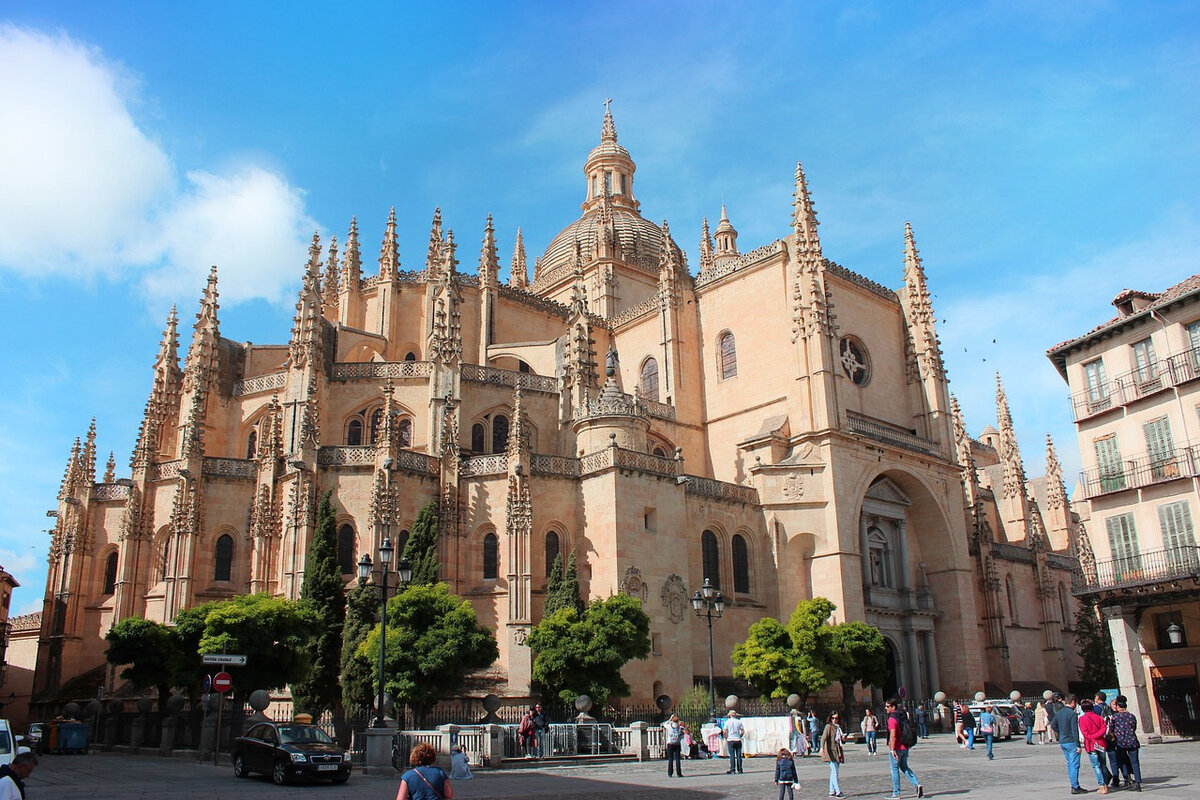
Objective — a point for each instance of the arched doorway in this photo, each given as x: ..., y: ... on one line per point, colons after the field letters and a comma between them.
x: 892, y: 684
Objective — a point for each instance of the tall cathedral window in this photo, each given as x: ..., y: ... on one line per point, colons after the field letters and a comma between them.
x: 711, y: 557
x: 1010, y: 590
x: 404, y: 432
x: 499, y: 434
x: 401, y: 543
x: 649, y: 382
x: 376, y: 425
x: 110, y: 573
x: 223, y: 565
x: 478, y: 437
x: 252, y: 443
x: 354, y: 432
x: 741, y: 565
x: 491, y: 557
x: 728, y: 354
x: 346, y: 550
x: 552, y: 551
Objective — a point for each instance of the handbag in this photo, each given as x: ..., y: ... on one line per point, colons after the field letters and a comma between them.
x: 985, y: 729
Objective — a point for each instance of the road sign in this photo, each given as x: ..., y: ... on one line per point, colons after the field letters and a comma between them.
x: 222, y: 682
x: 222, y: 658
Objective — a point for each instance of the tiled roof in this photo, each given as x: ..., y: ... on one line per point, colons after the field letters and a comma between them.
x: 26, y: 622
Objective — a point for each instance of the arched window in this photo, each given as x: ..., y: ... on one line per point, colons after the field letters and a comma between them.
x: 252, y: 444
x: 551, y: 550
x: 499, y: 434
x: 660, y: 452
x: 741, y: 565
x: 354, y: 432
x: 163, y: 558
x: 478, y: 437
x: 224, y: 558
x: 1010, y: 590
x: 711, y: 557
x: 728, y: 356
x: 491, y: 558
x: 410, y: 356
x: 523, y: 367
x: 110, y: 573
x: 404, y: 432
x: 347, y: 557
x: 376, y: 425
x: 649, y: 382
x: 401, y: 543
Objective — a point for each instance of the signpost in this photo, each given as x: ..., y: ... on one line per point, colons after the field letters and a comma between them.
x: 223, y: 658
x: 222, y: 682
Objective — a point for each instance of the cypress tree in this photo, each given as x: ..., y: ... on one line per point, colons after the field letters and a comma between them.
x: 422, y: 547
x: 322, y: 590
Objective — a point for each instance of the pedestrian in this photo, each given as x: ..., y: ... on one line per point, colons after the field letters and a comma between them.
x: 814, y: 730
x: 1065, y: 725
x: 689, y: 743
x: 959, y: 736
x: 870, y: 727
x: 1128, y: 746
x: 832, y: 751
x: 797, y: 739
x: 426, y: 780
x: 1101, y: 706
x: 12, y: 776
x: 460, y: 764
x: 1041, y: 722
x: 922, y: 722
x: 968, y: 723
x: 898, y: 725
x: 540, y: 726
x: 1027, y: 719
x: 785, y: 774
x: 1091, y: 730
x: 732, y: 732
x: 1052, y: 708
x: 987, y: 727
x: 527, y: 733
x: 673, y: 733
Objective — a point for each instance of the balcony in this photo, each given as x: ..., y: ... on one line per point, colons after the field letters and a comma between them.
x: 1142, y: 569
x: 1174, y: 370
x: 1141, y: 471
x: 889, y: 434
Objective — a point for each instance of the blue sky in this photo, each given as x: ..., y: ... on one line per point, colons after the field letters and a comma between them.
x: 1045, y: 153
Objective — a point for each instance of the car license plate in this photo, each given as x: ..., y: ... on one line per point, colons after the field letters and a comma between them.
x: 327, y: 767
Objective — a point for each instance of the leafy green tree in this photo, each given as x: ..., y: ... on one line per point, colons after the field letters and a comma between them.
x: 779, y: 660
x: 564, y: 592
x: 1097, y: 664
x: 151, y: 650
x: 857, y: 653
x: 422, y: 547
x: 358, y: 674
x: 433, y: 641
x: 583, y: 653
x: 322, y: 590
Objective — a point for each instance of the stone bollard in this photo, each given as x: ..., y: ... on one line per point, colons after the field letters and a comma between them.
x: 170, y: 722
x: 449, y: 738
x: 208, y: 734
x: 137, y: 731
x: 493, y: 745
x: 639, y: 740
x: 112, y: 723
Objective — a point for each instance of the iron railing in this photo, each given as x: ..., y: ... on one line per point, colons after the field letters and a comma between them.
x: 1153, y: 566
x: 1174, y: 370
x: 1141, y: 470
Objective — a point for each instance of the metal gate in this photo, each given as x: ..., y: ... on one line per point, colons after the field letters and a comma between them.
x: 1178, y: 705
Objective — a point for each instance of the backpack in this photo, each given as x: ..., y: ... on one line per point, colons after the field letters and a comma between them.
x: 906, y: 732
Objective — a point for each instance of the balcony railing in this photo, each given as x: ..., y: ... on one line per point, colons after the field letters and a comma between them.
x: 1122, y: 390
x: 1140, y: 471
x: 1153, y: 566
x: 888, y: 433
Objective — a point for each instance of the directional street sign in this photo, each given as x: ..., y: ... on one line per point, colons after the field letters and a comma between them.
x: 222, y: 658
x: 222, y: 682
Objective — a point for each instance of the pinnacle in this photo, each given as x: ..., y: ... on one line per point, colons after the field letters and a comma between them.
x: 608, y: 133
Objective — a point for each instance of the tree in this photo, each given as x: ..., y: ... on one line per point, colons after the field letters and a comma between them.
x: 421, y: 549
x: 1097, y: 664
x: 583, y: 652
x: 857, y: 653
x: 151, y: 650
x: 563, y: 592
x: 780, y: 660
x: 433, y: 641
x: 322, y: 590
x: 362, y: 614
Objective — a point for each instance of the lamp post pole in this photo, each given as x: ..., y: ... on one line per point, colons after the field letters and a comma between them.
x: 709, y: 604
x: 404, y: 572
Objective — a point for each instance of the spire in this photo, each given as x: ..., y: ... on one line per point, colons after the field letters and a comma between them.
x: 306, y: 344
x: 110, y: 468
x: 70, y: 479
x: 812, y: 313
x: 706, y: 248
x: 1010, y: 454
x: 1037, y: 527
x: 433, y: 258
x: 330, y: 288
x: 668, y: 267
x: 351, y: 260
x: 518, y: 432
x: 87, y: 463
x: 1087, y: 558
x: 519, y: 272
x: 389, y: 252
x: 608, y: 132
x: 200, y: 366
x: 966, y: 458
x: 918, y: 310
x: 489, y: 261
x: 804, y: 215
x: 726, y: 236
x: 1056, y: 494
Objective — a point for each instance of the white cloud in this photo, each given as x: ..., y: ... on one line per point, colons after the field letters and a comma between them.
x: 84, y: 191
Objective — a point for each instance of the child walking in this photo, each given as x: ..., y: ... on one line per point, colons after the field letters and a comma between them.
x: 785, y: 774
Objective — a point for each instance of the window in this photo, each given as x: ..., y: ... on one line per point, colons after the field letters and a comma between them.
x: 1109, y: 466
x: 410, y: 356
x: 649, y: 520
x: 1144, y: 371
x: 1064, y: 606
x: 1097, y: 385
x: 656, y: 644
x: 354, y: 433
x: 1010, y: 590
x: 1122, y: 539
x: 491, y: 557
x: 401, y: 543
x: 728, y: 356
x: 252, y: 444
x: 499, y: 434
x: 552, y: 551
x: 478, y: 437
x: 649, y: 380
x: 224, y: 558
x: 741, y: 565
x: 1179, y: 538
x: 110, y: 573
x: 347, y: 557
x: 623, y: 183
x: 608, y: 182
x: 523, y: 367
x: 659, y: 451
x: 1161, y: 449
x: 404, y: 432
x: 855, y: 362
x: 376, y: 424
x: 711, y: 557
x: 879, y: 562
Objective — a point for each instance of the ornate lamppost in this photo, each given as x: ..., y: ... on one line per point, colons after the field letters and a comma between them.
x: 709, y: 604
x: 404, y: 572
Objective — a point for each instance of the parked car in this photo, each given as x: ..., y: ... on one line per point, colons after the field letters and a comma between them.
x: 1003, y: 728
x: 33, y: 735
x: 289, y: 750
x: 10, y: 745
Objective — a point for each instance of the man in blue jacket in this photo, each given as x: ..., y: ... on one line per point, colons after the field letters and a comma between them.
x: 1065, y: 725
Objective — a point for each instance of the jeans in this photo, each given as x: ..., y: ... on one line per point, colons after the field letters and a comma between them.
x: 1071, y: 753
x: 899, y: 763
x: 834, y: 766
x: 1133, y: 758
x: 735, y: 755
x: 1103, y: 776
x: 1115, y: 764
x: 922, y: 728
x: 871, y: 741
x: 989, y: 738
x: 786, y: 787
x: 674, y: 759
x: 1028, y: 734
x: 970, y: 738
x: 812, y: 741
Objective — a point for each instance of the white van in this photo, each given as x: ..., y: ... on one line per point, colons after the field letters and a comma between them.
x: 10, y: 745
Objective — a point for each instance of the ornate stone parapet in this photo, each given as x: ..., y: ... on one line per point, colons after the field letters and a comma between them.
x: 396, y: 370
x: 110, y: 491
x: 720, y: 490
x: 476, y: 466
x: 238, y: 468
x: 554, y: 465
x: 165, y: 470
x: 632, y: 460
x: 508, y: 377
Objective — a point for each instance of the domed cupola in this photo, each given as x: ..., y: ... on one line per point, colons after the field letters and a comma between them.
x: 609, y: 170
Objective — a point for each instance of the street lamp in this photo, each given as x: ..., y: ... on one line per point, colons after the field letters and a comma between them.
x: 404, y: 571
x: 709, y: 604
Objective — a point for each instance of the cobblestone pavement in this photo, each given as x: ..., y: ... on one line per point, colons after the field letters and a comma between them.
x: 1171, y: 772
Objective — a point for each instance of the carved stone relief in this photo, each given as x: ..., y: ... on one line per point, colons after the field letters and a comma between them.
x: 675, y: 597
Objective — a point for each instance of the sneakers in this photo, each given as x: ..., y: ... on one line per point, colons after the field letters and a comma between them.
x: 920, y: 790
x: 891, y: 797
x: 1078, y: 790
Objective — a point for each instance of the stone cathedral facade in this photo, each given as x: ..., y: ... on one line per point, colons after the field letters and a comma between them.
x: 773, y: 422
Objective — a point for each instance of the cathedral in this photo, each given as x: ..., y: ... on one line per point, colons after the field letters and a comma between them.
x: 772, y: 422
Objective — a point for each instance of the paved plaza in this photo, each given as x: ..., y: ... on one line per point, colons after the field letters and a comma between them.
x: 1171, y: 772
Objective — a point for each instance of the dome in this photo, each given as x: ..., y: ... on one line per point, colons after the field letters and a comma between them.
x: 638, y: 241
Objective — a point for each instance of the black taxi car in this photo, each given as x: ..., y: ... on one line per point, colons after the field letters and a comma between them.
x: 289, y: 750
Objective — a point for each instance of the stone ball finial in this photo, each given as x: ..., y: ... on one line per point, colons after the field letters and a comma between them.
x: 1014, y: 695
x: 91, y: 709
x: 793, y: 701
x: 979, y: 697
x: 260, y: 699
x: 664, y: 702
x: 144, y: 705
x: 116, y: 706
x: 583, y: 704
x: 175, y: 703
x: 71, y: 710
x: 491, y: 703
x: 731, y: 701
x: 939, y: 697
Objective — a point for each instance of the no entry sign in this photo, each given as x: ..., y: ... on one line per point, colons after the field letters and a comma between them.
x: 222, y: 682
